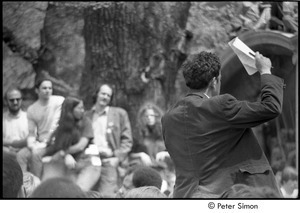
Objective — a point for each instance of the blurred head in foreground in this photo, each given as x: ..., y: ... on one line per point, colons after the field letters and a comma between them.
x: 145, y: 192
x: 58, y: 188
x: 12, y: 177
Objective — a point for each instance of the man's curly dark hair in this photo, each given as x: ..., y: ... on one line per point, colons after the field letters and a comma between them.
x: 199, y: 69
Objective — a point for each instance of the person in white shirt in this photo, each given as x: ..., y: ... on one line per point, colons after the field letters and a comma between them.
x: 15, y: 124
x: 43, y: 116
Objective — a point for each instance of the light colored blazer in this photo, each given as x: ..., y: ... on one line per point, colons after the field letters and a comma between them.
x: 118, y: 133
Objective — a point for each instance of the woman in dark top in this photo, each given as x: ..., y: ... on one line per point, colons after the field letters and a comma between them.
x: 151, y: 135
x: 72, y: 139
x: 149, y: 141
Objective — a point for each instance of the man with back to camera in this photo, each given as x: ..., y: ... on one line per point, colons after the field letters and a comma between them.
x: 209, y: 136
x: 43, y: 116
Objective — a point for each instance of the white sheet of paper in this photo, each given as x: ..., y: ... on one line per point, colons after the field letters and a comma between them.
x: 92, y: 149
x: 96, y: 161
x: 242, y: 51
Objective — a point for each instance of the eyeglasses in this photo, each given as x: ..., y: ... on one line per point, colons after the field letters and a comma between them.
x: 15, y: 99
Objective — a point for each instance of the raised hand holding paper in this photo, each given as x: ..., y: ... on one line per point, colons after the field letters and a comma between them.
x: 245, y: 54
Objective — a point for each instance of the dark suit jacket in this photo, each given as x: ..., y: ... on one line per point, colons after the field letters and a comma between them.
x: 211, y: 142
x: 118, y: 132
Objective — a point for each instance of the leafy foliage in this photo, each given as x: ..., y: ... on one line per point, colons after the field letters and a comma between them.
x: 211, y: 25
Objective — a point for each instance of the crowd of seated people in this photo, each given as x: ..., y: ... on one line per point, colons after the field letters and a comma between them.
x: 265, y: 15
x: 60, y: 150
x: 56, y: 138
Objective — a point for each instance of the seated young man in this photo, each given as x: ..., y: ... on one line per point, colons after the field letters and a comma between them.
x: 42, y: 116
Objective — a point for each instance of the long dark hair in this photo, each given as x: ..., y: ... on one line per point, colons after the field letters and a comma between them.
x: 67, y: 132
x: 145, y: 130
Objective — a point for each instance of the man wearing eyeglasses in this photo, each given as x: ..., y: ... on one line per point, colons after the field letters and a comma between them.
x: 15, y: 123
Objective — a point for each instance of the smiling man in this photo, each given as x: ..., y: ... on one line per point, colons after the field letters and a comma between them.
x: 113, y: 137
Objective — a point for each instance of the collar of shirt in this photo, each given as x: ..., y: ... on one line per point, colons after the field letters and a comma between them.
x: 14, y: 116
x: 105, y: 111
x: 198, y: 93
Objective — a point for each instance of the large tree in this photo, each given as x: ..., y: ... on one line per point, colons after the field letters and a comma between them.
x: 124, y: 41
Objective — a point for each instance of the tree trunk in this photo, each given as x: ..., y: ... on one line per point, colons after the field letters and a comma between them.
x: 125, y: 40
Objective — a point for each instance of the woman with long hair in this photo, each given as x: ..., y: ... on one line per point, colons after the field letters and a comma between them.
x: 150, y: 132
x: 149, y: 140
x: 72, y: 139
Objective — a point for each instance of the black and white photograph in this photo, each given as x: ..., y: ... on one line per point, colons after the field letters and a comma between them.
x: 192, y: 101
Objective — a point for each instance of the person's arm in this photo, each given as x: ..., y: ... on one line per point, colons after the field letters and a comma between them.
x: 145, y: 158
x: 245, y: 19
x: 264, y: 18
x: 19, y: 143
x: 245, y: 114
x: 32, y: 128
x: 6, y: 142
x: 86, y: 135
x: 78, y: 147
